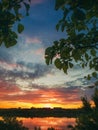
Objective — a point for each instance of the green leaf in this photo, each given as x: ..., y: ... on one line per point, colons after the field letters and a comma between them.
x: 88, y: 77
x: 91, y: 65
x: 57, y: 27
x: 78, y: 15
x: 63, y: 27
x: 56, y: 43
x: 1, y: 40
x: 47, y: 60
x: 27, y: 8
x: 86, y: 56
x: 59, y: 3
x: 58, y: 63
x: 96, y: 83
x: 94, y: 74
x: 20, y: 28
x: 96, y: 67
x: 71, y: 65
x: 10, y: 43
x: 93, y: 52
x: 83, y: 65
x: 48, y: 50
x: 65, y: 67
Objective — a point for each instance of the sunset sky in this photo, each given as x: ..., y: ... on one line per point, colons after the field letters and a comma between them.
x: 25, y: 79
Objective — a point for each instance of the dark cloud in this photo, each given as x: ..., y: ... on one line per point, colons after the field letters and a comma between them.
x: 72, y: 93
x: 23, y: 71
x: 81, y: 82
x: 37, y: 70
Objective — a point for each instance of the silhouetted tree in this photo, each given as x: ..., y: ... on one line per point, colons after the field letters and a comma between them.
x: 88, y: 120
x: 51, y: 128
x: 37, y: 128
x: 11, y: 123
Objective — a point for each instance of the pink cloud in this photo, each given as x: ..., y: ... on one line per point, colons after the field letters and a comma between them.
x: 8, y: 88
x: 34, y: 40
x: 39, y: 51
x: 9, y: 66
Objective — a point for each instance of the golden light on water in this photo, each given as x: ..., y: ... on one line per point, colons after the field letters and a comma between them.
x: 45, y: 123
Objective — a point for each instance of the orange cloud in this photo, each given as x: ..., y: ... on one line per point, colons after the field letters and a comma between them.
x: 65, y: 98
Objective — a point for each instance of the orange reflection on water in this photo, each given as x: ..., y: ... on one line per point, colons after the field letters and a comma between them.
x: 44, y: 123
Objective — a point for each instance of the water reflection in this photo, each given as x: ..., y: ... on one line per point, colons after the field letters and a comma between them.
x: 45, y: 123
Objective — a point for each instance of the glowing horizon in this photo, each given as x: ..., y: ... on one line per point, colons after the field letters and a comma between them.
x: 5, y: 104
x: 40, y: 98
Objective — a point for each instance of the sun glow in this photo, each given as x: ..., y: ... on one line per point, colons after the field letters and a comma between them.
x: 48, y: 105
x: 16, y: 104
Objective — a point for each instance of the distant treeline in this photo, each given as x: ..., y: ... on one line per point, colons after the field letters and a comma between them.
x: 41, y: 112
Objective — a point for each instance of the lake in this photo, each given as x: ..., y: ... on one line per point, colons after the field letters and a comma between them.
x: 47, y: 122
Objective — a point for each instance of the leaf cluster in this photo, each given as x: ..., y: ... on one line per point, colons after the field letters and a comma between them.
x: 80, y: 21
x: 10, y: 14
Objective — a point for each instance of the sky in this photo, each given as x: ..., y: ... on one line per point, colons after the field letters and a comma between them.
x: 25, y: 79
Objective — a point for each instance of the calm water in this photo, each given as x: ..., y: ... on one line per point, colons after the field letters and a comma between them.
x: 44, y: 123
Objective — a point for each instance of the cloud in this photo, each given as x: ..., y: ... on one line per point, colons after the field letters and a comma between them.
x: 41, y: 96
x: 34, y: 40
x: 35, y: 70
x: 40, y: 52
x: 21, y: 68
x: 7, y: 88
x: 5, y: 55
x: 22, y: 74
x: 82, y: 82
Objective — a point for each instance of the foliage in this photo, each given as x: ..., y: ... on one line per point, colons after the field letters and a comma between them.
x: 88, y: 120
x: 51, y: 128
x: 11, y: 123
x: 11, y: 14
x: 39, y: 128
x: 80, y: 22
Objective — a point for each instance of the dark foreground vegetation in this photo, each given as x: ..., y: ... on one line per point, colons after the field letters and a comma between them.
x: 41, y: 112
x: 11, y: 123
x: 89, y: 120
